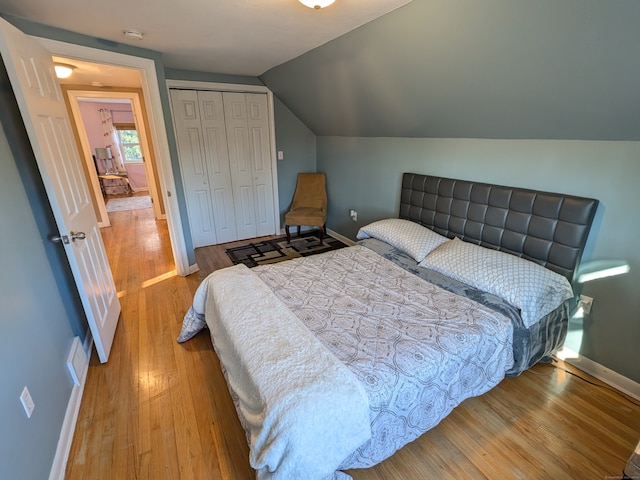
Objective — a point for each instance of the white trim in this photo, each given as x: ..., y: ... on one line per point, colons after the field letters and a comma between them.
x: 218, y: 87
x: 61, y: 457
x: 274, y: 161
x: 234, y: 87
x: 86, y: 154
x: 614, y: 379
x: 337, y: 236
x: 151, y: 92
x: 136, y: 107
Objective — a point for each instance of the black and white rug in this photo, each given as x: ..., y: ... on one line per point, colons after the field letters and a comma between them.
x: 277, y: 249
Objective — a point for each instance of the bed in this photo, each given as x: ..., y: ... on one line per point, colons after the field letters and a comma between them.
x: 337, y: 360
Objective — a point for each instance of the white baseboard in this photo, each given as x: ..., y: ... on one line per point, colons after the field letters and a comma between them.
x: 140, y: 189
x: 343, y: 239
x: 194, y: 268
x: 611, y: 378
x: 70, y: 418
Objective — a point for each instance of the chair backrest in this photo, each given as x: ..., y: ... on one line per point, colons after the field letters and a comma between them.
x: 311, y: 191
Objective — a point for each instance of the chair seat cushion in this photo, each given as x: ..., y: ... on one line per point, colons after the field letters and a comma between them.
x: 306, y: 216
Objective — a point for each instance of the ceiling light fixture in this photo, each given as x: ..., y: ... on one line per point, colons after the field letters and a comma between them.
x: 63, y: 70
x: 317, y: 4
x: 133, y: 33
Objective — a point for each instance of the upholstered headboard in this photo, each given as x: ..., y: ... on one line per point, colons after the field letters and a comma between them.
x: 548, y: 228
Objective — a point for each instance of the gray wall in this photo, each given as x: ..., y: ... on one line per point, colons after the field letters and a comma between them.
x: 365, y: 174
x: 298, y: 145
x: 38, y: 319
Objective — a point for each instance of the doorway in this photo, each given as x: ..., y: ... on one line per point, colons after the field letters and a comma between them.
x: 90, y: 111
x: 145, y: 70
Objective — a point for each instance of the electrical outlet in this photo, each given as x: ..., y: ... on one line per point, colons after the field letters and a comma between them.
x: 586, y: 303
x: 27, y: 402
x: 280, y: 155
x: 354, y: 215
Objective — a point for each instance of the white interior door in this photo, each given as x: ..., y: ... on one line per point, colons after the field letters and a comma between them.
x: 41, y: 104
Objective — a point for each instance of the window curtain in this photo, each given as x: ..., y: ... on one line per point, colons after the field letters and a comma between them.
x: 111, y: 140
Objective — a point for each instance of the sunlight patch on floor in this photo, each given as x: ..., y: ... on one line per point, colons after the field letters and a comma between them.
x: 158, y: 279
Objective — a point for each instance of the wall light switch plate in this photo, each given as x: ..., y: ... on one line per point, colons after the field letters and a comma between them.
x: 27, y: 402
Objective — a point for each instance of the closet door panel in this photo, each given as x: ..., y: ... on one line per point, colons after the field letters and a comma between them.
x: 240, y: 161
x: 224, y: 142
x: 224, y: 223
x: 246, y: 208
x: 193, y: 166
x: 258, y: 124
x: 217, y: 155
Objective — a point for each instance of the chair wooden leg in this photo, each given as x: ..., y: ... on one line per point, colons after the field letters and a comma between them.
x: 322, y: 233
x: 286, y: 229
x: 298, y: 230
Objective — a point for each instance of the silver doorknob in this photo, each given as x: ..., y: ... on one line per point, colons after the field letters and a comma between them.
x: 77, y: 236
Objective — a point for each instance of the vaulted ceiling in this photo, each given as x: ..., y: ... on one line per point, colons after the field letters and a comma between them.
x: 512, y: 69
x: 515, y: 69
x: 241, y: 37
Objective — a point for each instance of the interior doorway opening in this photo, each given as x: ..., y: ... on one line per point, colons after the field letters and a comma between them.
x: 111, y: 102
x: 111, y: 65
x: 96, y: 116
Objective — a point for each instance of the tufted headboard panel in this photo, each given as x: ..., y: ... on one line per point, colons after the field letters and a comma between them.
x: 548, y: 228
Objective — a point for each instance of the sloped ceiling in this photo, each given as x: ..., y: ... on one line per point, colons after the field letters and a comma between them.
x: 238, y: 37
x: 514, y: 69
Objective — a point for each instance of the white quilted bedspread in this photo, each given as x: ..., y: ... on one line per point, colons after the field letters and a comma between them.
x: 304, y: 411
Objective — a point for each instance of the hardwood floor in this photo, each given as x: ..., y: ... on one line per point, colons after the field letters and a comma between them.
x: 161, y: 410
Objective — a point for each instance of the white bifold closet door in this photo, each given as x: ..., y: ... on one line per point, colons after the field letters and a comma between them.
x: 225, y: 160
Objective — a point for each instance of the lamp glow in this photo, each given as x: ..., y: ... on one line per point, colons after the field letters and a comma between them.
x: 317, y: 4
x: 63, y: 70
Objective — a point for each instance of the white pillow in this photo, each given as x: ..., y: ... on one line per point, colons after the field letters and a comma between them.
x: 410, y: 237
x: 535, y: 290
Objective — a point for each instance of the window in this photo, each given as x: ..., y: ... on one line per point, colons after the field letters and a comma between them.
x: 129, y: 143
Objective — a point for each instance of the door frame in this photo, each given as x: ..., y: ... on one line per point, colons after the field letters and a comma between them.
x: 233, y: 87
x: 158, y: 132
x: 73, y: 96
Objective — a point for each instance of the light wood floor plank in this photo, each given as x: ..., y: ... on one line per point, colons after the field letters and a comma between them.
x: 161, y: 410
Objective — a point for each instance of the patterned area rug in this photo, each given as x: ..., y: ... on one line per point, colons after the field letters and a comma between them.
x: 277, y: 250
x: 128, y: 203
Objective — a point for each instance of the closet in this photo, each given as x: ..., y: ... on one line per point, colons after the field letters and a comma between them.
x: 226, y: 164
